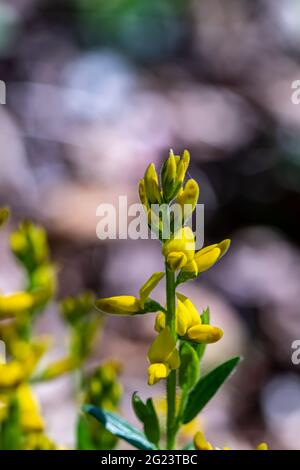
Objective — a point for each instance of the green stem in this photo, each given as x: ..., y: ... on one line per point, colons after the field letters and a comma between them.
x: 183, y: 400
x: 171, y: 380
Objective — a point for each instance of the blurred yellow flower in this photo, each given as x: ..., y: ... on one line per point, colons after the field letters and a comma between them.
x: 120, y: 305
x: 13, y: 304
x: 152, y: 185
x: 31, y: 419
x: 201, y: 443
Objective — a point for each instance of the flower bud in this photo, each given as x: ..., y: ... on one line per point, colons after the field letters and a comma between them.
x: 188, y: 198
x: 183, y: 166
x: 180, y: 249
x: 143, y: 195
x: 168, y: 177
x: 163, y: 356
x: 201, y: 443
x: 120, y: 305
x: 204, y: 334
x: 152, y: 185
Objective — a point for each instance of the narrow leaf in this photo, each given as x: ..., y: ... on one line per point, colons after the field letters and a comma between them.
x: 206, y: 388
x: 147, y: 415
x: 120, y: 427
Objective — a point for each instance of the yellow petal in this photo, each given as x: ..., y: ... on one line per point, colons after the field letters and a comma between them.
x: 183, y: 166
x: 174, y: 360
x: 207, y: 259
x: 160, y: 322
x: 224, y: 247
x: 157, y: 372
x: 183, y: 242
x: 152, y: 185
x: 192, y: 268
x: 204, y: 334
x: 59, y: 368
x: 162, y: 347
x: 183, y: 319
x: 195, y: 318
x: 262, y: 446
x: 31, y: 419
x: 201, y: 443
x: 149, y: 285
x: 188, y: 198
x: 176, y: 260
x: 11, y: 374
x: 15, y: 303
x: 120, y: 305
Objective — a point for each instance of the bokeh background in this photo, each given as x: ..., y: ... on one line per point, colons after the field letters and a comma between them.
x: 95, y: 91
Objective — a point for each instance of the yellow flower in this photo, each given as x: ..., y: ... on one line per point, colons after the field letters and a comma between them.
x: 201, y: 443
x: 207, y: 257
x: 31, y: 420
x: 4, y: 403
x: 20, y: 368
x: 188, y: 323
x: 12, y: 304
x: 128, y: 304
x: 163, y: 357
x: 188, y: 198
x: 58, y: 368
x: 262, y: 446
x: 120, y: 305
x: 148, y: 287
x: 152, y: 185
x: 39, y: 441
x: 180, y: 249
x: 30, y: 246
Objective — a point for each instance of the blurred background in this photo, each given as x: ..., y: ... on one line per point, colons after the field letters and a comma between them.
x: 95, y: 90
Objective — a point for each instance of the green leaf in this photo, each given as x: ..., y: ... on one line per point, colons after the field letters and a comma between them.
x: 152, y: 306
x: 120, y: 427
x: 184, y: 276
x: 189, y: 366
x: 206, y: 388
x: 205, y: 318
x: 147, y: 415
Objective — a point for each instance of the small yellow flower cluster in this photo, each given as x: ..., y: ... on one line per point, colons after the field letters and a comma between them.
x: 188, y: 323
x: 200, y: 443
x: 180, y: 254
